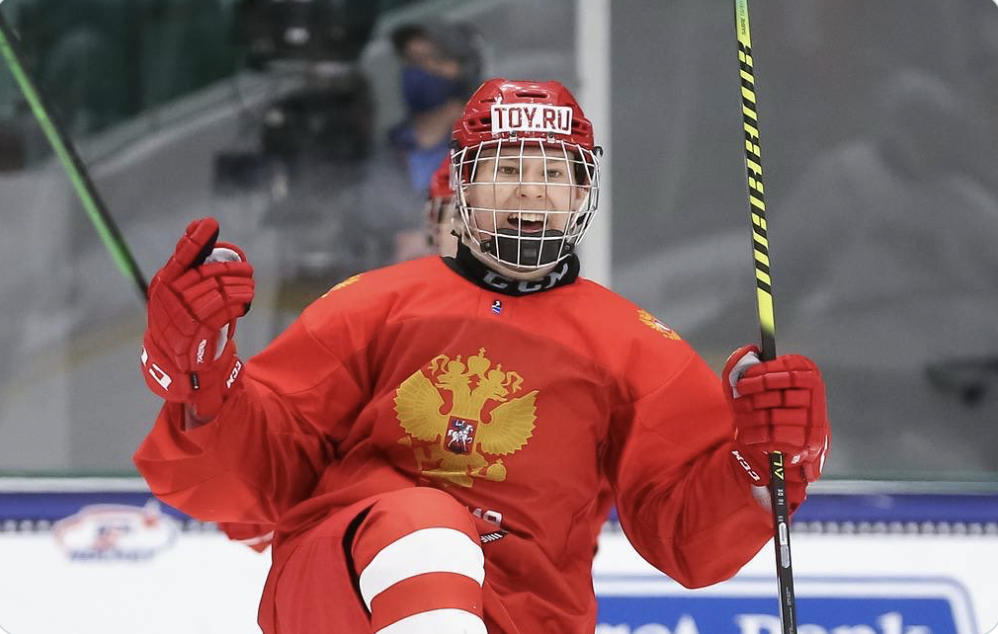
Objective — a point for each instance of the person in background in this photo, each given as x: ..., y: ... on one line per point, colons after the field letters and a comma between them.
x: 441, y: 67
x: 439, y: 235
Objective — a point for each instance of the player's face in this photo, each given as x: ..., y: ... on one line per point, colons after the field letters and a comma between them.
x: 526, y: 189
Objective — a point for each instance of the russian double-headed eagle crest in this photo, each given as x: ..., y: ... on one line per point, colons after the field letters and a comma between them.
x: 461, y: 418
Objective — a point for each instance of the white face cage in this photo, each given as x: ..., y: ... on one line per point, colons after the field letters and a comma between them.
x: 526, y: 203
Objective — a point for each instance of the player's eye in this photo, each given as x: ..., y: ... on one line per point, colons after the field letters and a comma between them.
x: 555, y: 173
x: 508, y: 170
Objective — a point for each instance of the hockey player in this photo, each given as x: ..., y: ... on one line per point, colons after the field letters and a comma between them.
x: 440, y: 213
x: 433, y: 443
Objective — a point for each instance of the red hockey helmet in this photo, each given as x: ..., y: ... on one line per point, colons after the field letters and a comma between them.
x: 526, y: 172
x: 440, y: 181
x: 494, y: 109
x: 439, y: 212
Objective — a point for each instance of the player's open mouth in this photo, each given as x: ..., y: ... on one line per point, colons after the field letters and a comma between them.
x: 525, y: 222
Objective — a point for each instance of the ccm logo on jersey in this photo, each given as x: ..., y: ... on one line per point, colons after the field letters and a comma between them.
x: 156, y: 372
x: 531, y: 118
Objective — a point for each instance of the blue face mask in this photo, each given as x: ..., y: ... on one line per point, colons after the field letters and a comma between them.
x: 424, y: 91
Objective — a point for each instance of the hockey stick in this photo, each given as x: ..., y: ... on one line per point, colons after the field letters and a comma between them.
x: 764, y: 302
x: 75, y: 168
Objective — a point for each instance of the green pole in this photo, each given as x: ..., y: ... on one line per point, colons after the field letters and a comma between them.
x: 75, y: 168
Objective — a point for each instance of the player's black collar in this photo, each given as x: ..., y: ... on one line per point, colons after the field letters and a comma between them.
x: 474, y: 270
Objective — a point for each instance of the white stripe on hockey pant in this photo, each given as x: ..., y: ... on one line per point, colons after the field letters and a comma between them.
x: 420, y: 552
x: 449, y: 621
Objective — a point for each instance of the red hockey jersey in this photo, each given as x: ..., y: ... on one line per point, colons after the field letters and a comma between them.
x: 521, y: 406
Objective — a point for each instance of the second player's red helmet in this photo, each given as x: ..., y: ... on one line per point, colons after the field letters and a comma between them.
x: 440, y: 182
x: 514, y: 211
x: 440, y: 208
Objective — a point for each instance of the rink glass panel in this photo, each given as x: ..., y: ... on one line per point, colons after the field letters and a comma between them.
x: 878, y: 144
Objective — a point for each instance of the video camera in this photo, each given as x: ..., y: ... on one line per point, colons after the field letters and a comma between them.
x: 305, y: 30
x: 328, y: 117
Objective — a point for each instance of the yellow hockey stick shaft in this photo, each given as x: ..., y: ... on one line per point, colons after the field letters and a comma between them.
x: 764, y: 303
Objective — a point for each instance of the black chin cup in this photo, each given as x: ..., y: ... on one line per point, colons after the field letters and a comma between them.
x: 528, y: 248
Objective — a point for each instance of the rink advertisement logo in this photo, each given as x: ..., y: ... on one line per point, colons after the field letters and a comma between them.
x: 646, y: 605
x: 460, y: 417
x: 113, y: 532
x: 531, y: 118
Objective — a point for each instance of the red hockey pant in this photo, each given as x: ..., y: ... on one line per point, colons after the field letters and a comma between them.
x: 407, y: 561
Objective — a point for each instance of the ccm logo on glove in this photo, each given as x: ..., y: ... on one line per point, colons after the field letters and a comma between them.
x: 778, y: 405
x: 194, y: 302
x: 235, y: 373
x: 756, y: 478
x: 156, y: 372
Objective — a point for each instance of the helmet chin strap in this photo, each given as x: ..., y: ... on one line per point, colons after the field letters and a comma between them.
x: 539, y: 249
x: 502, y: 268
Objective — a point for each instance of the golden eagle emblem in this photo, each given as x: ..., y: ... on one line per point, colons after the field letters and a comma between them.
x: 451, y: 434
x: 649, y: 320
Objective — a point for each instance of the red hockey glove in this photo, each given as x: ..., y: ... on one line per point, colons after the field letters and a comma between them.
x: 188, y: 355
x: 779, y: 405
